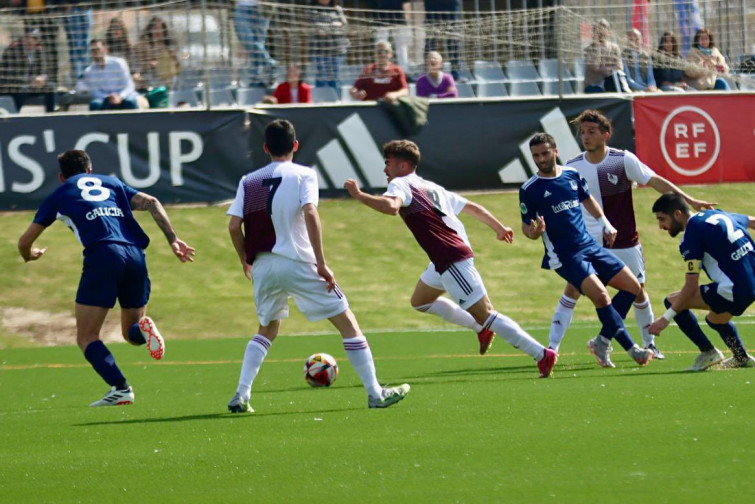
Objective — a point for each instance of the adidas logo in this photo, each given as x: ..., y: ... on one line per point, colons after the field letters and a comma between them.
x: 546, y: 194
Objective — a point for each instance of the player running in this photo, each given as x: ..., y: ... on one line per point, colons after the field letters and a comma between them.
x: 552, y: 198
x: 430, y: 212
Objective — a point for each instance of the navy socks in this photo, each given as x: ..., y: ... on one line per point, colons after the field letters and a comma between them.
x: 613, y: 326
x: 689, y: 326
x: 730, y: 336
x: 104, y: 363
x: 135, y: 335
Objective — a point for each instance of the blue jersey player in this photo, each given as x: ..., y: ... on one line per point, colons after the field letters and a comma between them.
x: 719, y: 243
x: 552, y: 198
x: 98, y: 209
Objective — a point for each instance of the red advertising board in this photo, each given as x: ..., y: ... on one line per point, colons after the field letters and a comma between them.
x: 696, y: 139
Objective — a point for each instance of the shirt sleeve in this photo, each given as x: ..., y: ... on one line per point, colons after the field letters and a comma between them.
x: 583, y: 192
x: 691, y: 245
x: 457, y: 201
x: 237, y: 207
x: 525, y: 207
x: 47, y: 211
x: 399, y: 189
x: 636, y: 170
x: 308, y: 190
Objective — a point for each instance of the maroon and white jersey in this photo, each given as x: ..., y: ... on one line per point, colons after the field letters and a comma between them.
x: 430, y: 212
x: 270, y: 202
x: 610, y: 183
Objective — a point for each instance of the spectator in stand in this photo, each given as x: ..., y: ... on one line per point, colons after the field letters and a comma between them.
x: 638, y: 65
x: 21, y: 73
x: 381, y: 80
x: 705, y: 64
x: 42, y: 15
x: 293, y: 90
x: 251, y: 21
x: 391, y: 18
x: 442, y: 18
x: 666, y: 69
x: 119, y: 45
x: 156, y: 56
x: 77, y: 22
x: 435, y: 83
x: 108, y: 81
x: 329, y: 43
x: 602, y: 61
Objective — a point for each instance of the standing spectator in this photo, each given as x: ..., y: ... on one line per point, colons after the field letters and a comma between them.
x: 329, y: 42
x: 443, y: 19
x: 666, y: 67
x: 108, y: 81
x: 706, y: 62
x: 294, y: 90
x: 602, y: 61
x: 251, y: 23
x: 638, y: 65
x: 119, y: 45
x: 156, y: 56
x: 391, y: 18
x: 21, y: 74
x: 77, y: 22
x: 382, y: 79
x: 435, y: 83
x: 42, y: 15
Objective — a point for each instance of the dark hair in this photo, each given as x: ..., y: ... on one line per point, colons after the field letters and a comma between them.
x: 117, y: 43
x: 594, y: 116
x: 668, y: 203
x: 97, y: 41
x: 674, y: 42
x: 543, y: 138
x: 280, y: 136
x: 72, y: 162
x: 402, y: 149
x: 701, y: 31
x: 157, y: 20
x: 331, y: 3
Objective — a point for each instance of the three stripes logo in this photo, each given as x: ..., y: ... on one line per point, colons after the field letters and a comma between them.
x: 555, y: 124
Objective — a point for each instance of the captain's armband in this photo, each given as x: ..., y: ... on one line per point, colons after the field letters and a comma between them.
x: 692, y: 267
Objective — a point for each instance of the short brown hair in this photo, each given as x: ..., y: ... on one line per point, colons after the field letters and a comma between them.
x: 402, y: 149
x: 73, y: 162
x: 594, y: 116
x: 696, y: 41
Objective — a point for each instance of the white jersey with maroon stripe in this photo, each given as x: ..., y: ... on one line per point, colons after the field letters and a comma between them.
x: 610, y: 183
x: 270, y: 202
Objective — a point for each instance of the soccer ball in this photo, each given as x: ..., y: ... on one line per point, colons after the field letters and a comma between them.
x: 320, y: 370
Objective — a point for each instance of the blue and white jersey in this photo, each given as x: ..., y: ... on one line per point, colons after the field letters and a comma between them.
x: 97, y: 208
x: 720, y: 241
x: 557, y: 200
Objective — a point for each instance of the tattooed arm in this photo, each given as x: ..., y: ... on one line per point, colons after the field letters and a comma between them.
x: 143, y: 201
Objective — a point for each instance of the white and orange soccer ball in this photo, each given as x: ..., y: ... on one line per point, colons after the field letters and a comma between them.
x: 320, y: 370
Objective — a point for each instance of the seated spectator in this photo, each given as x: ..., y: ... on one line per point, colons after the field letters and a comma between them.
x: 156, y: 59
x: 21, y: 74
x: 602, y: 61
x: 381, y: 80
x: 666, y: 69
x: 119, y: 45
x: 706, y: 62
x: 293, y: 90
x: 435, y: 83
x: 638, y: 65
x: 108, y: 81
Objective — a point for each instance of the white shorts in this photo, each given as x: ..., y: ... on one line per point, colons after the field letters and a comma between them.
x: 634, y: 259
x: 462, y: 282
x: 276, y: 278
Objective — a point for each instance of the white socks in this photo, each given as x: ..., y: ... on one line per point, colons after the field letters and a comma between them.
x: 360, y: 356
x: 561, y: 321
x: 256, y: 351
x: 510, y: 331
x: 643, y: 315
x: 451, y: 312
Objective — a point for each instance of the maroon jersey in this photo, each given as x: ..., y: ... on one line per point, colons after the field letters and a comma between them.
x: 377, y: 83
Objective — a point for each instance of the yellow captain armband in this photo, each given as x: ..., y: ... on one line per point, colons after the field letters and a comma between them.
x: 692, y: 267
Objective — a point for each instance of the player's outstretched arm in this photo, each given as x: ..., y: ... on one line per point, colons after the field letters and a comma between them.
x: 482, y: 214
x: 143, y: 201
x: 26, y: 243
x: 237, y: 238
x: 384, y: 204
x: 314, y: 231
x: 664, y: 186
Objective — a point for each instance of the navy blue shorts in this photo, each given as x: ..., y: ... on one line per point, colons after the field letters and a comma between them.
x: 114, y: 271
x: 590, y: 261
x: 719, y: 304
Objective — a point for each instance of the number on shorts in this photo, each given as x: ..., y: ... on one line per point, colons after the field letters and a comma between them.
x: 731, y: 234
x: 273, y: 183
x: 92, y: 190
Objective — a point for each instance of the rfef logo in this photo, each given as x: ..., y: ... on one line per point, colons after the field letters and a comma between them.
x: 690, y: 141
